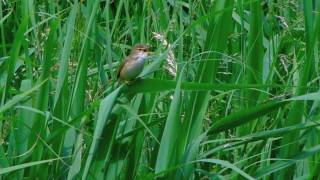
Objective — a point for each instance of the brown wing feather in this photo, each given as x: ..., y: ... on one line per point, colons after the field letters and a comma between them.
x: 119, y: 69
x: 121, y: 66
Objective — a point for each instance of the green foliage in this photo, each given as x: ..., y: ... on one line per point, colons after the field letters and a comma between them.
x: 230, y: 92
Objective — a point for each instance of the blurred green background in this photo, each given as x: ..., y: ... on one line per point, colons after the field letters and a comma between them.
x: 231, y: 91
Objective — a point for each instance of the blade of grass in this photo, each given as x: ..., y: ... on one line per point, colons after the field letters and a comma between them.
x: 14, y: 54
x: 284, y: 163
x: 25, y: 165
x: 244, y: 116
x: 105, y: 108
x: 298, y: 109
x: 254, y: 59
x: 158, y: 85
x: 64, y: 60
x: 42, y: 99
x: 220, y: 28
x: 20, y: 97
x: 168, y: 146
x: 259, y: 136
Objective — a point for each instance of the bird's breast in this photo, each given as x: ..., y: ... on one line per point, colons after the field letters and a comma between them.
x: 132, y: 69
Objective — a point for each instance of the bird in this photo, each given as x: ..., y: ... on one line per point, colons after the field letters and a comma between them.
x: 133, y: 64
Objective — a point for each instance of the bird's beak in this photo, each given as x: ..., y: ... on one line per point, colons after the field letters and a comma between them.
x: 150, y: 53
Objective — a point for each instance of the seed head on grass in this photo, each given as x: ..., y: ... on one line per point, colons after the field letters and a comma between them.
x: 171, y: 65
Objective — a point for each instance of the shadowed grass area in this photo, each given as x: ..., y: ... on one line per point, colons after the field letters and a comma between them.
x: 231, y: 90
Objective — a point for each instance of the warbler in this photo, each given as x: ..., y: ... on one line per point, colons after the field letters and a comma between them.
x: 133, y: 64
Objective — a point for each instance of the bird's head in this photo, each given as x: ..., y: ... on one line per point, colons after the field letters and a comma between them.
x: 141, y: 51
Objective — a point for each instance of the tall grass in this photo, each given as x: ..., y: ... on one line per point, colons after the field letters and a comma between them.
x: 239, y: 98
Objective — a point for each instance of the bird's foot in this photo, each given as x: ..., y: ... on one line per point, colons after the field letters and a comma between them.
x: 133, y: 81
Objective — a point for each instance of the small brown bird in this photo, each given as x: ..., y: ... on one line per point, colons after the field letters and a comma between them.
x: 133, y: 64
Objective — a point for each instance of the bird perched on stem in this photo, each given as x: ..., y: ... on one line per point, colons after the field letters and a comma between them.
x: 133, y: 64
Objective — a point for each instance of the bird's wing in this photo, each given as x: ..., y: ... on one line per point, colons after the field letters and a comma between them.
x: 120, y: 67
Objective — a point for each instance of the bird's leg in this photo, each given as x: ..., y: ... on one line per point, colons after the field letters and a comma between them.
x: 130, y: 82
x: 137, y: 78
x: 133, y: 81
